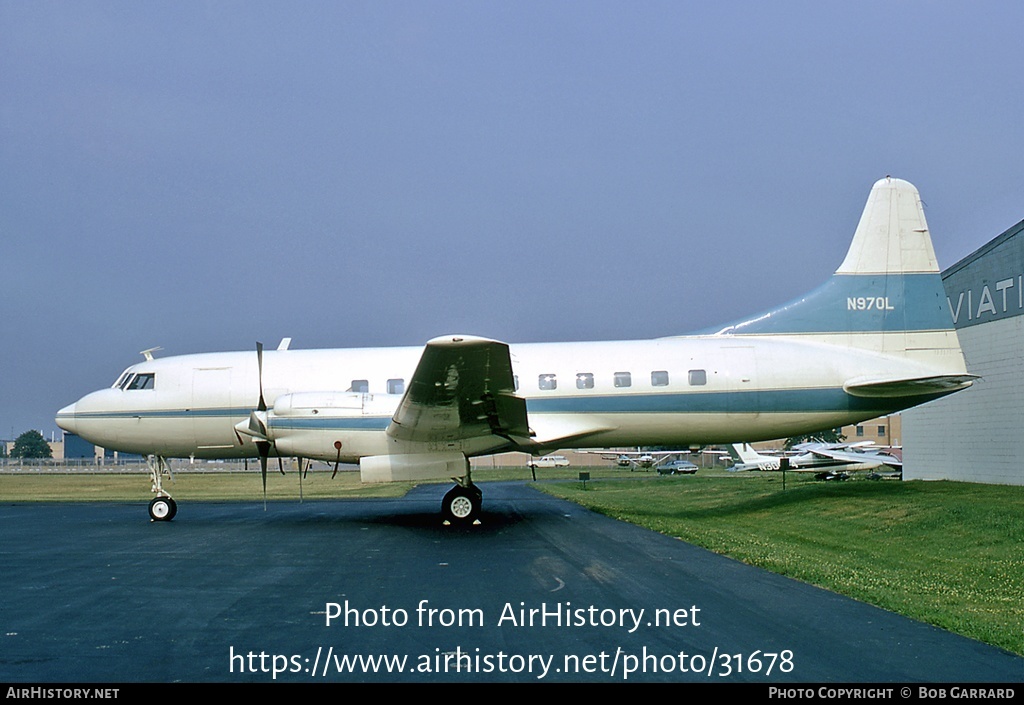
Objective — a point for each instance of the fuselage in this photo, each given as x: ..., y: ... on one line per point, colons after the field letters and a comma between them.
x: 692, y: 391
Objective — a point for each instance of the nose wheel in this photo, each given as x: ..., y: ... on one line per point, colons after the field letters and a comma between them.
x: 461, y: 505
x: 162, y: 509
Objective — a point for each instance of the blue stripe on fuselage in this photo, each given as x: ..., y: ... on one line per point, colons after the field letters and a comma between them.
x: 859, y: 303
x: 746, y: 402
x: 752, y: 402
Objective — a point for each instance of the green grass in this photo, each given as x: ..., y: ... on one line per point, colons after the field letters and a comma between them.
x: 950, y: 554
x: 188, y: 486
x: 133, y: 484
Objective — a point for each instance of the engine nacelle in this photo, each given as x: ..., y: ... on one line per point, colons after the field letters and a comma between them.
x: 337, y: 404
x: 413, y: 467
x: 313, y: 424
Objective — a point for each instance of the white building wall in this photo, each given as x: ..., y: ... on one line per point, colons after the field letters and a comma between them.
x: 976, y: 435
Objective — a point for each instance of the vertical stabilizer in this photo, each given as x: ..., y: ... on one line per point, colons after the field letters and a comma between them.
x: 886, y: 296
x: 892, y: 235
x: 743, y: 453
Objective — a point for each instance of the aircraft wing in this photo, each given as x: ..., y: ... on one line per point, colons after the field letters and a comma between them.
x: 462, y: 391
x: 856, y: 457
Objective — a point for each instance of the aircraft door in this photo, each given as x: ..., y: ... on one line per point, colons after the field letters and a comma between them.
x: 741, y: 374
x: 212, y: 415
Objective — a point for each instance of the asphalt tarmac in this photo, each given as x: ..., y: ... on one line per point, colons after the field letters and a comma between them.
x: 378, y: 590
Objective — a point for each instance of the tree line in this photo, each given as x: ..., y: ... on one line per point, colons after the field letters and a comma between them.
x: 29, y: 445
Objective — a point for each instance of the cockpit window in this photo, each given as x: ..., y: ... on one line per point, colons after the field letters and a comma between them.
x: 143, y: 381
x: 119, y: 384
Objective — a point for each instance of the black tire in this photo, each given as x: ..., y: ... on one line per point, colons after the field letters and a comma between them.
x: 461, y: 505
x: 162, y: 509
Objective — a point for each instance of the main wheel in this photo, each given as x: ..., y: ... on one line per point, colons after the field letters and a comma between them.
x: 162, y: 509
x: 461, y: 505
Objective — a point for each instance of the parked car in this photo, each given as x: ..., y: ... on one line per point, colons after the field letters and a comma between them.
x: 677, y: 467
x: 550, y: 461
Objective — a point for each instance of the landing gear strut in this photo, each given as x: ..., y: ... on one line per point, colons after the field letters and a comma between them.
x: 163, y: 507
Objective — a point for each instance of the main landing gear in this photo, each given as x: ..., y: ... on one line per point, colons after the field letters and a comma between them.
x: 162, y: 507
x: 461, y: 504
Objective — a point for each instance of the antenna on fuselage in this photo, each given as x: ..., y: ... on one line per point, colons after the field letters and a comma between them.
x: 148, y: 354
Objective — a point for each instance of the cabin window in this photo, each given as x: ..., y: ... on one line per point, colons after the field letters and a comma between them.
x: 698, y: 377
x: 547, y: 382
x: 659, y: 378
x: 396, y: 386
x: 360, y: 385
x: 623, y: 379
x: 584, y: 380
x: 143, y: 381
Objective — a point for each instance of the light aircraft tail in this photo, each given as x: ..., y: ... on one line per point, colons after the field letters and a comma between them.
x: 742, y: 453
x: 887, y: 297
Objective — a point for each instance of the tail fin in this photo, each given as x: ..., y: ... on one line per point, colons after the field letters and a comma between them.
x: 887, y: 295
x: 743, y: 453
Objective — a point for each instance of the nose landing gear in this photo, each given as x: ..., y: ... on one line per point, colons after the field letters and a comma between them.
x: 162, y: 507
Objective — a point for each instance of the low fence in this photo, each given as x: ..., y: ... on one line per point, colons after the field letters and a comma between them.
x: 136, y: 465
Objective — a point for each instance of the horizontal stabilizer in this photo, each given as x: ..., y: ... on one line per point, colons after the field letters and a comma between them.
x: 939, y: 384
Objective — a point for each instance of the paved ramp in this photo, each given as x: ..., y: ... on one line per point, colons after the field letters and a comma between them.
x: 541, y: 590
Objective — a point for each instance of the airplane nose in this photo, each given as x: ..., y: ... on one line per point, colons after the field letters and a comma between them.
x: 66, y: 419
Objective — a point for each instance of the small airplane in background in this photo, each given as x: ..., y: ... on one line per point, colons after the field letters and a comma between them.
x: 644, y: 460
x: 816, y: 457
x: 875, y: 338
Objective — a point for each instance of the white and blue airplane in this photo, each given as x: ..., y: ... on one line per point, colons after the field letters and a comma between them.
x: 876, y: 338
x: 816, y: 457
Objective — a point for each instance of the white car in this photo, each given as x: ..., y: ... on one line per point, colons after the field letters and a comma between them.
x: 550, y: 461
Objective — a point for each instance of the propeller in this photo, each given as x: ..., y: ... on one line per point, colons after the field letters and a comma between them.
x: 262, y: 446
x: 303, y: 469
x: 257, y: 428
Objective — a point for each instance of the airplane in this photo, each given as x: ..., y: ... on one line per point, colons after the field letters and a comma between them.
x: 815, y: 457
x: 645, y: 460
x: 875, y: 338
